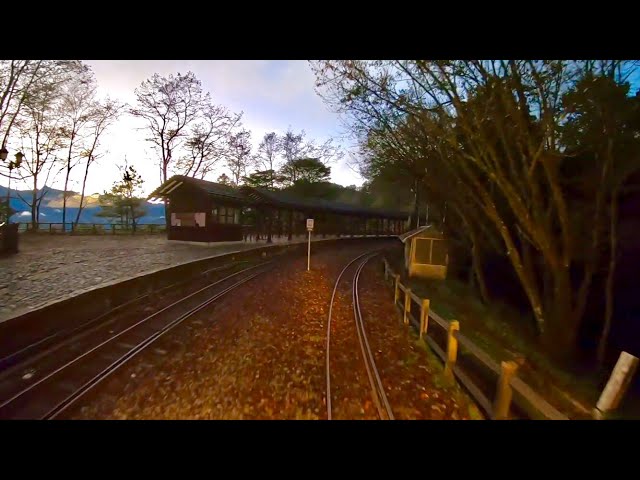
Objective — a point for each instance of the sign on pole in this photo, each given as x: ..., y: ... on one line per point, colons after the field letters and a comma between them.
x: 309, y: 229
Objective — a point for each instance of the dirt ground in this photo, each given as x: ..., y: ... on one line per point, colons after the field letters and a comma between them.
x: 260, y: 354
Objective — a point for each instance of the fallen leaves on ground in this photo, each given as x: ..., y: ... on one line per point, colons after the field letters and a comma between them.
x: 260, y: 354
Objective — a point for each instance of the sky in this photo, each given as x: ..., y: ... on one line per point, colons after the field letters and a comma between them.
x: 273, y: 94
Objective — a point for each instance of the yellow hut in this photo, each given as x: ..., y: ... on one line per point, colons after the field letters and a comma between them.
x: 425, y: 253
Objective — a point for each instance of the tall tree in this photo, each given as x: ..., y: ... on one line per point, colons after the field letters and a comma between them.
x: 308, y: 170
x: 267, y: 157
x: 208, y: 140
x: 21, y: 78
x: 168, y: 106
x: 77, y: 105
x: 124, y: 201
x: 292, y: 147
x: 494, y: 126
x: 260, y: 179
x: 101, y: 116
x: 239, y: 155
x: 295, y: 146
x: 41, y: 139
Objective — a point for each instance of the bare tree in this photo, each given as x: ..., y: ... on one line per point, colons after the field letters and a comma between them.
x: 292, y: 147
x: 295, y: 146
x: 41, y: 139
x: 102, y: 115
x: 21, y: 78
x: 267, y: 156
x: 77, y: 107
x: 168, y: 106
x: 239, y: 155
x: 208, y: 141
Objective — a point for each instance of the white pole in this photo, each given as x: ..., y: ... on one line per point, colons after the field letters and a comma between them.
x: 309, y: 252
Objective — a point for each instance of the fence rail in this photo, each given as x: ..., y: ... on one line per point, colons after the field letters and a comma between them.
x: 509, y: 389
x: 93, y: 228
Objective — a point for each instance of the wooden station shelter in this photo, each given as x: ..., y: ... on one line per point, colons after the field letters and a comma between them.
x: 425, y: 253
x: 203, y: 211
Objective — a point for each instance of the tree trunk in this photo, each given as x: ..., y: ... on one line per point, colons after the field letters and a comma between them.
x: 84, y: 183
x: 608, y: 313
x: 133, y: 221
x: 269, y: 225
x: 34, y: 205
x: 479, y: 274
x: 167, y: 216
x: 416, y: 205
x: 561, y: 335
x: 64, y: 199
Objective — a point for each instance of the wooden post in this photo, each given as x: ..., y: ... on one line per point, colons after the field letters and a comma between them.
x: 396, y: 288
x: 424, y: 317
x: 50, y: 227
x: 504, y: 392
x: 452, y: 350
x: 407, y: 305
x: 617, y: 385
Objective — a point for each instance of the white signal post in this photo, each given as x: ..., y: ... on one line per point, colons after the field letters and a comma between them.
x: 309, y: 229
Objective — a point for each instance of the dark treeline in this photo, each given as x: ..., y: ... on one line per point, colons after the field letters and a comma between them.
x: 530, y: 167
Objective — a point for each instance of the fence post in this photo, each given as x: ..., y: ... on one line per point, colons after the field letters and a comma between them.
x: 50, y: 227
x: 384, y: 263
x: 424, y: 317
x: 452, y: 350
x: 396, y: 288
x: 616, y: 385
x: 503, y: 391
x: 407, y: 305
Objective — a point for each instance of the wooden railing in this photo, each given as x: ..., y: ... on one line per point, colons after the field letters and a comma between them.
x: 93, y: 228
x: 506, y: 385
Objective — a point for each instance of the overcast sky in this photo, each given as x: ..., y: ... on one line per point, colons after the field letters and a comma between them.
x: 273, y: 95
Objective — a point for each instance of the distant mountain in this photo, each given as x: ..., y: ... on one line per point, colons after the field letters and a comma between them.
x: 51, y: 208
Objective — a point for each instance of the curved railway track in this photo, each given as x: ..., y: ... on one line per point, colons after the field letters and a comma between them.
x: 88, y: 361
x: 378, y: 394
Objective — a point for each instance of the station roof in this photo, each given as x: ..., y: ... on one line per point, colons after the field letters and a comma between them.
x: 212, y: 188
x: 261, y: 196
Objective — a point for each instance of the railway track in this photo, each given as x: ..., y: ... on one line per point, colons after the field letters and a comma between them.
x: 88, y: 360
x: 22, y: 357
x: 378, y: 395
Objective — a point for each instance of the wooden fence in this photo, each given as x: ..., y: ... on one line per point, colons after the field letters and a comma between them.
x: 93, y: 228
x: 507, y: 388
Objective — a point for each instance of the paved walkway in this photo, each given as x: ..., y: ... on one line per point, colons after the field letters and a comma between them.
x: 51, y: 267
